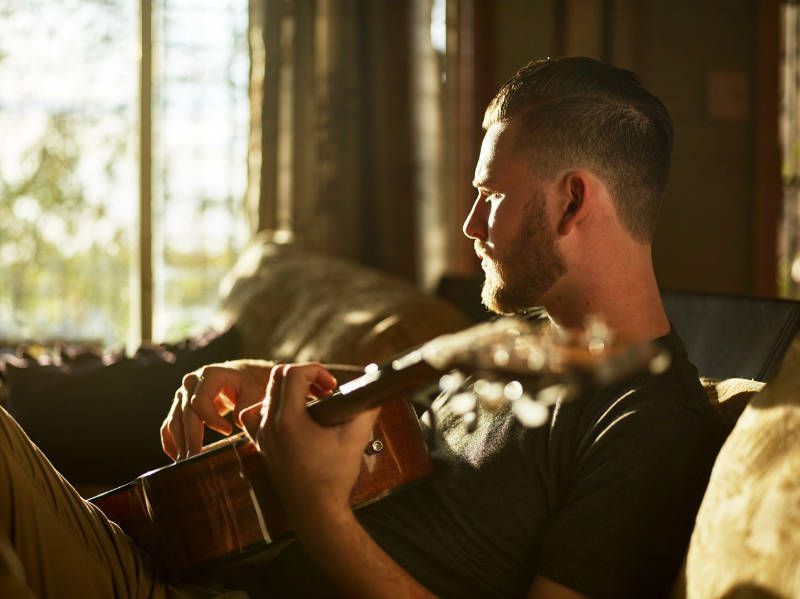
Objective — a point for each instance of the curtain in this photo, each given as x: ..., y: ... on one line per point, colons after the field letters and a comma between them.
x: 330, y: 162
x: 789, y: 232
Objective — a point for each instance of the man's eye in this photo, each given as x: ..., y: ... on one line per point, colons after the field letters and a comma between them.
x: 489, y: 196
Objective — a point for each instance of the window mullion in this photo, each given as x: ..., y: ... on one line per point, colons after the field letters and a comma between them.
x: 145, y: 282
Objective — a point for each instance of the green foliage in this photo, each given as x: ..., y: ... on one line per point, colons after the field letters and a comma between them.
x: 58, y: 279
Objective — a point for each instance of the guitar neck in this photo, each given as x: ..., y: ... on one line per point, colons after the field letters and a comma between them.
x: 400, y: 376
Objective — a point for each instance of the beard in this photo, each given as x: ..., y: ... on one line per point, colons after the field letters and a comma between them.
x: 518, y: 276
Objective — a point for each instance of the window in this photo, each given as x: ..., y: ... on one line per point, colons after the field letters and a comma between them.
x: 70, y: 180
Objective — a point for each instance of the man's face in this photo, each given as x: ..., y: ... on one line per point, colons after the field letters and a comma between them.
x: 510, y: 225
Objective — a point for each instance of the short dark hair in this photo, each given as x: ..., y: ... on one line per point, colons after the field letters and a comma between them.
x: 579, y: 112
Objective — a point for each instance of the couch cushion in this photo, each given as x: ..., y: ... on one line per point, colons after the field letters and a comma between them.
x: 293, y: 305
x: 96, y: 416
x: 730, y: 397
x: 747, y: 536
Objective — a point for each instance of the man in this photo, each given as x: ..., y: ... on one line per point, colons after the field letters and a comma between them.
x: 601, y: 501
x: 570, y: 177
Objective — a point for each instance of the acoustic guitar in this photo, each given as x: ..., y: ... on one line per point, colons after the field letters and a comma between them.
x: 220, y: 505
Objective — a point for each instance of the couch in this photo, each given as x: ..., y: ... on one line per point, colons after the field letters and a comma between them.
x: 278, y: 302
x: 284, y: 303
x: 746, y: 539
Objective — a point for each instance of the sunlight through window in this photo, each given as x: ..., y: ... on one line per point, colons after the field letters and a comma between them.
x: 69, y: 174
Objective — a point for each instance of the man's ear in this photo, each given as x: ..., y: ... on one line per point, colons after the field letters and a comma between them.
x: 575, y: 203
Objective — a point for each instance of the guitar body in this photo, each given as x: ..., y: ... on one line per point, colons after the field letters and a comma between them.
x: 221, y: 504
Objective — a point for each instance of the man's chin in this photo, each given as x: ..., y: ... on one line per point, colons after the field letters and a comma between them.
x: 492, y: 297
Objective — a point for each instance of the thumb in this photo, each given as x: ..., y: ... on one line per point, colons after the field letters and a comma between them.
x: 251, y: 419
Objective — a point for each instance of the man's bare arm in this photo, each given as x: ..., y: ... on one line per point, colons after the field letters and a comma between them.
x: 354, y: 561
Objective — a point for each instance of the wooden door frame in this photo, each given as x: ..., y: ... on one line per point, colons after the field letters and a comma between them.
x: 768, y: 196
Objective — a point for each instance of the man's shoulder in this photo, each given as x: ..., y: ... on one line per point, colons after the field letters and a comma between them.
x: 669, y: 401
x: 650, y: 411
x: 676, y: 391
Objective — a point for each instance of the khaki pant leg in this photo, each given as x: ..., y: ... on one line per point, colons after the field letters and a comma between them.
x: 12, y: 575
x: 66, y: 546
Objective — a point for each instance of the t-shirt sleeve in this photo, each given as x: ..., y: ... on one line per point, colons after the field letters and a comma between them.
x: 630, y: 501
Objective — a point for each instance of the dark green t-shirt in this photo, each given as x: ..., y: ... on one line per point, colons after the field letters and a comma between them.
x: 602, y: 499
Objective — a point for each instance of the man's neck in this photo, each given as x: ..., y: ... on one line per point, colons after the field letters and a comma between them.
x: 628, y: 300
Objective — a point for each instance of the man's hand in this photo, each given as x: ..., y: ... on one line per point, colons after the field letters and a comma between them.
x: 313, y: 467
x: 205, y: 396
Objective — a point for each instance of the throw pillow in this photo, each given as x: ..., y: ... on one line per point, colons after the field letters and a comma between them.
x: 746, y: 542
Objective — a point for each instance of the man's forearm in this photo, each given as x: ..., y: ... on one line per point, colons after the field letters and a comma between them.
x: 353, y: 561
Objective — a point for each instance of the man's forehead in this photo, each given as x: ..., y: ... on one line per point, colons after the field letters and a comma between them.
x: 497, y: 152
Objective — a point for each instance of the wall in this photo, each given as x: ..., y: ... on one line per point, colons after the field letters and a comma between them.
x: 705, y: 235
x: 679, y: 48
x: 521, y: 31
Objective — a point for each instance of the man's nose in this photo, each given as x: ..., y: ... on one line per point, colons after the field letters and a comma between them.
x: 475, y: 224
